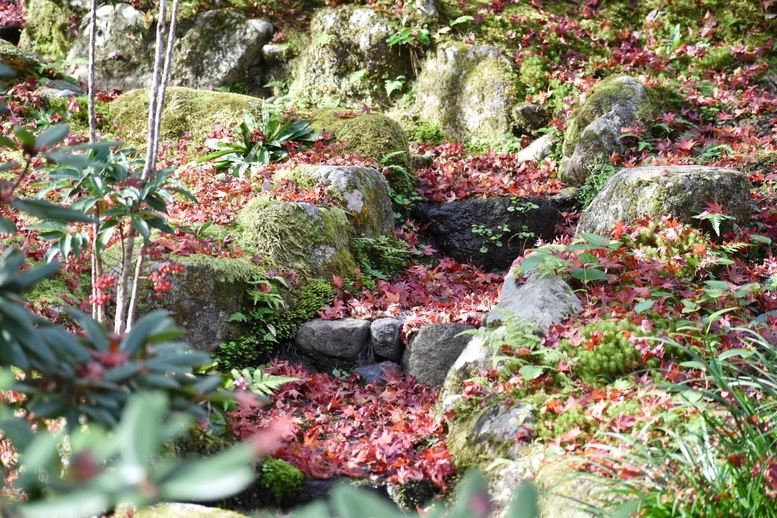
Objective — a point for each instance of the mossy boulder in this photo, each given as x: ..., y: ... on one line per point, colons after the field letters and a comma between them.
x: 477, y: 436
x: 47, y: 28
x: 23, y: 63
x: 594, y: 129
x: 371, y: 135
x: 186, y: 111
x: 679, y: 191
x: 348, y: 59
x: 219, y: 50
x: 469, y: 91
x: 363, y: 192
x: 313, y: 241
x: 124, y: 48
x: 204, y: 296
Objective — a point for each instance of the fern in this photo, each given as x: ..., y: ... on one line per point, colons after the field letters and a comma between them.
x: 257, y: 381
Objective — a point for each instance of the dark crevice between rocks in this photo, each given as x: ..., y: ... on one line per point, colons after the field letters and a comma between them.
x: 10, y: 33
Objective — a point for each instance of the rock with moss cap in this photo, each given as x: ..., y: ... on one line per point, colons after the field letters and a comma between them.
x: 186, y: 111
x: 347, y: 59
x: 679, y: 191
x: 219, y: 50
x: 371, y: 135
x: 363, y: 192
x: 312, y: 241
x: 47, y: 27
x: 469, y: 91
x: 594, y: 129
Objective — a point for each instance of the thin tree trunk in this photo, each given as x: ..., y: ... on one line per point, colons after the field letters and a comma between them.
x: 120, y: 322
x: 90, y: 79
x: 135, y: 286
x: 152, y: 146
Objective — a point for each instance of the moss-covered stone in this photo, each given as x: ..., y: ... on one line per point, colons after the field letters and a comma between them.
x: 679, y: 191
x: 468, y: 91
x: 186, y: 110
x: 204, y: 296
x: 47, y: 28
x: 177, y: 510
x: 310, y: 240
x: 23, y: 63
x: 594, y: 129
x: 348, y: 59
x: 124, y: 48
x: 362, y: 191
x: 282, y: 479
x: 371, y: 135
x: 478, y: 436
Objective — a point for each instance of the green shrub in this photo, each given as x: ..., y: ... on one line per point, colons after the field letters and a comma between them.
x: 282, y: 479
x: 607, y: 350
x: 242, y: 352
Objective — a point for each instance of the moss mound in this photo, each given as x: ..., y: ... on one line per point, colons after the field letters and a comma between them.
x: 186, y: 110
x: 47, y: 28
x: 371, y: 135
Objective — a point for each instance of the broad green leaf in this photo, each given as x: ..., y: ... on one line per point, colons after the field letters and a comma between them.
x: 588, y: 274
x: 644, y: 305
x: 84, y: 502
x: 350, y: 502
x: 47, y: 210
x: 51, y: 137
x: 139, y: 428
x: 25, y: 136
x: 209, y: 479
x: 525, y: 502
x: 531, y: 372
x: 7, y: 226
x: 6, y: 142
x: 95, y: 332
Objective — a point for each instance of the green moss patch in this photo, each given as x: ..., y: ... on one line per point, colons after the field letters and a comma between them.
x: 186, y: 110
x: 371, y: 135
x: 47, y: 28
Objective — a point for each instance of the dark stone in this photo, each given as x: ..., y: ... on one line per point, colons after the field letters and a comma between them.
x: 385, y: 338
x: 331, y: 344
x: 376, y: 372
x: 767, y: 83
x: 528, y: 118
x: 434, y: 351
x: 10, y: 33
x: 450, y: 228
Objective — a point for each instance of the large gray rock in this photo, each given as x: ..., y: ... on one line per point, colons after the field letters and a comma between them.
x: 594, y: 130
x: 539, y: 149
x: 385, y: 339
x: 332, y: 344
x: 679, y: 191
x: 124, y: 48
x: 203, y: 297
x: 467, y: 90
x: 364, y: 192
x: 433, y: 351
x: 540, y: 302
x: 458, y: 228
x: 219, y: 49
x: 348, y: 59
